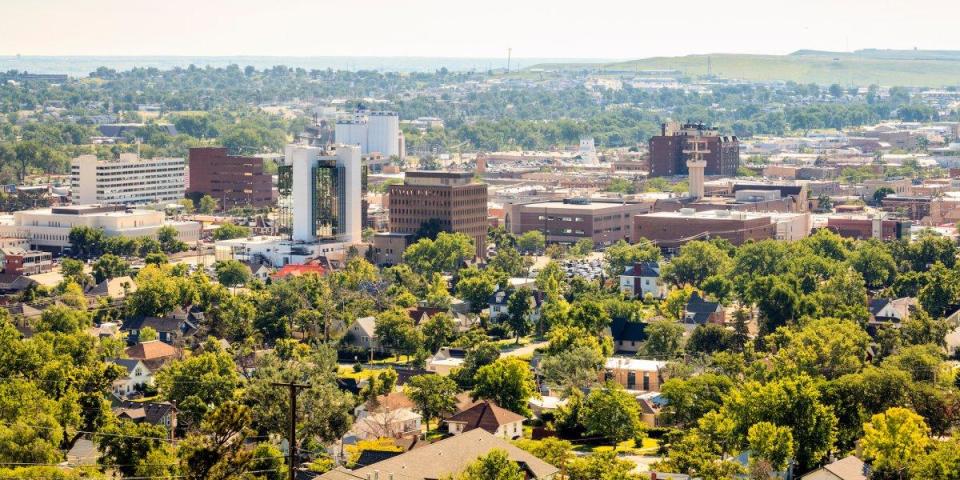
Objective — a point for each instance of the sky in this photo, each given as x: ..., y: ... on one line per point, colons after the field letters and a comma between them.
x: 612, y: 29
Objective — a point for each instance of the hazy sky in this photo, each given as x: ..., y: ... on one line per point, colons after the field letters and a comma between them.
x: 457, y: 28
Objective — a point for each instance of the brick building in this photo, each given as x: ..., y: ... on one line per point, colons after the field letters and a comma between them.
x: 914, y: 208
x: 449, y: 198
x: 862, y: 228
x: 571, y: 220
x: 667, y: 156
x: 672, y: 229
x: 19, y: 261
x: 233, y: 180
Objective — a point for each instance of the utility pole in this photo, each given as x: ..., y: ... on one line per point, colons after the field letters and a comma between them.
x: 292, y: 440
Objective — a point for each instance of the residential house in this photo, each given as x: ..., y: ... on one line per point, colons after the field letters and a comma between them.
x: 627, y: 336
x: 642, y: 279
x: 446, y: 458
x: 154, y: 353
x: 136, y: 377
x: 699, y: 311
x: 113, y: 288
x: 488, y: 416
x: 105, y: 330
x: 500, y: 304
x: 890, y: 311
x: 651, y: 403
x: 635, y: 373
x: 171, y: 329
x: 401, y: 422
x: 362, y: 333
x: 847, y: 468
x: 260, y: 270
x: 154, y: 413
x: 446, y: 360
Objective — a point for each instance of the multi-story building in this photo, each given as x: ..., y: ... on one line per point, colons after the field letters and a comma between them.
x: 233, y: 180
x: 327, y: 189
x: 49, y: 228
x: 18, y: 261
x: 451, y: 199
x: 927, y: 209
x: 862, y: 227
x: 672, y: 229
x: 570, y: 220
x: 670, y: 150
x: 129, y: 180
x: 372, y: 131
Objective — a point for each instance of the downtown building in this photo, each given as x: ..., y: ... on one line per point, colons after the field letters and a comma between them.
x: 670, y: 151
x: 234, y: 181
x: 450, y: 199
x: 128, y: 180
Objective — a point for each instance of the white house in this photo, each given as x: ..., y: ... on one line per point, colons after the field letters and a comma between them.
x: 363, y: 333
x: 446, y: 360
x: 500, y: 304
x: 137, y: 375
x: 643, y: 278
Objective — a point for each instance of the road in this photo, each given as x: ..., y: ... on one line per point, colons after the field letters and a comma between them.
x: 523, y: 349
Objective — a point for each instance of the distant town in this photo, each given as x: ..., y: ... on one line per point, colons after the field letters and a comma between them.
x: 545, y: 272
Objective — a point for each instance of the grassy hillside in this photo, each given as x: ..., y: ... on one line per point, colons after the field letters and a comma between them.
x: 883, y: 67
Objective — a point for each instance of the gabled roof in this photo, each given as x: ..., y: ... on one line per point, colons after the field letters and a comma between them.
x: 698, y: 304
x: 878, y: 304
x: 502, y: 297
x: 446, y: 457
x: 623, y: 330
x: 368, y: 324
x: 153, y: 349
x: 849, y: 468
x: 486, y: 415
x: 128, y: 363
x: 643, y: 269
x: 297, y: 270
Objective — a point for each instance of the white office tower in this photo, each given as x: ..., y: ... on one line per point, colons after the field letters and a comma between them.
x: 373, y: 131
x: 588, y: 151
x: 129, y: 180
x: 326, y: 193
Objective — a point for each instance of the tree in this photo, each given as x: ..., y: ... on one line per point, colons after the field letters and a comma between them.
x: 664, y: 339
x: 434, y: 396
x: 601, y: 465
x: 690, y: 399
x: 232, y: 273
x: 552, y: 450
x: 612, y: 413
x: 124, y: 443
x: 582, y: 248
x: 880, y: 194
x: 675, y: 302
x: 207, y: 205
x: 167, y: 236
x: 228, y: 230
x: 519, y: 306
x: 922, y: 362
x: 86, y: 242
x: 148, y: 334
x: 438, y: 331
x: 199, y: 382
x: 551, y: 280
x: 394, y: 329
x: 589, y: 315
x: 531, y: 242
x: 156, y: 295
x: 481, y: 355
x: 507, y: 382
x: 825, y: 347
x: 216, y: 451
x: 792, y: 402
x: 575, y: 367
x: 874, y: 263
x: 770, y: 443
x: 508, y: 261
x: 495, y: 465
x: 696, y: 262
x: 445, y: 254
x: 63, y: 319
x: 894, y: 440
x: 437, y: 294
x: 476, y: 286
x: 942, y: 462
x: 709, y: 338
x: 109, y: 266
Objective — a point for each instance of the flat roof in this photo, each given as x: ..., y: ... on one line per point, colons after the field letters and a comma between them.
x: 576, y: 206
x: 709, y: 214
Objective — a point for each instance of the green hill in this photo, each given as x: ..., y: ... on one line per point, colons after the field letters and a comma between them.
x: 922, y: 68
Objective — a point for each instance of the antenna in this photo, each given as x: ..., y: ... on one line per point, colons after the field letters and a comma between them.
x: 509, y: 55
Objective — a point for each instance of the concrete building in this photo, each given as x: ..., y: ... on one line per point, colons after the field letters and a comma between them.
x: 670, y: 150
x: 634, y: 373
x: 327, y: 190
x: 372, y: 131
x: 49, y: 228
x: 129, y: 180
x: 570, y: 220
x: 233, y: 180
x: 451, y: 199
x: 388, y: 247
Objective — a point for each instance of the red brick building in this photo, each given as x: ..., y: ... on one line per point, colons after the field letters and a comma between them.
x: 667, y: 155
x: 17, y: 261
x: 234, y: 181
x: 673, y: 229
x: 862, y: 228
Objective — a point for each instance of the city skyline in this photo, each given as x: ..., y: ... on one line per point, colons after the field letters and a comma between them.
x: 560, y: 29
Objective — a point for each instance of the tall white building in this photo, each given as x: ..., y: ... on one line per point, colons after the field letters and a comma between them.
x: 327, y: 193
x: 588, y: 151
x: 373, y: 131
x: 128, y: 180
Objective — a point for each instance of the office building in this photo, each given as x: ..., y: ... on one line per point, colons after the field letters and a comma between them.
x: 327, y: 189
x: 372, y: 131
x: 670, y: 150
x: 49, y: 228
x: 573, y: 219
x: 129, y: 180
x: 233, y: 180
x: 451, y: 199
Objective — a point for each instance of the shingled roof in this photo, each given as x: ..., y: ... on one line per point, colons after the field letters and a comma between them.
x: 486, y: 415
